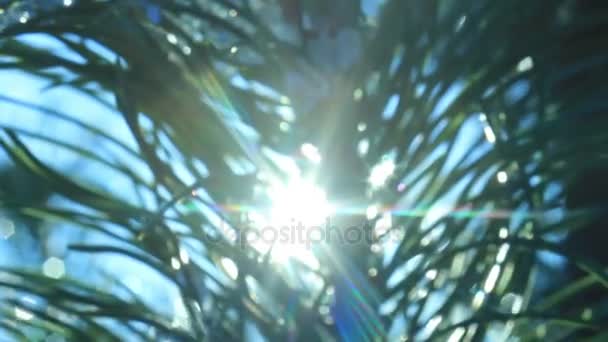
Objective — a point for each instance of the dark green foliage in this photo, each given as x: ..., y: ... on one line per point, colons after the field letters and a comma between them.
x: 499, y: 116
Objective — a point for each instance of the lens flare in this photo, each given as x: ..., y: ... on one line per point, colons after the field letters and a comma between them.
x: 297, y: 216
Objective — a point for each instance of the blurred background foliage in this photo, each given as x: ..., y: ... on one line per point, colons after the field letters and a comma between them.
x: 138, y: 136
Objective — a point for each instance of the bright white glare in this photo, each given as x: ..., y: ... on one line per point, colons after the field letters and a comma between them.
x: 502, y: 177
x: 503, y: 233
x: 363, y: 147
x: 457, y: 335
x: 502, y: 253
x: 24, y: 17
x: 525, y: 64
x: 425, y: 241
x: 171, y: 38
x: 381, y: 172
x: 230, y: 267
x: 311, y: 152
x: 488, y: 286
x: 371, y: 212
x: 300, y: 203
x: 490, y: 136
x: 422, y: 293
x: 287, y: 113
x: 175, y: 264
x: 23, y: 314
x: 184, y: 256
x: 432, y: 324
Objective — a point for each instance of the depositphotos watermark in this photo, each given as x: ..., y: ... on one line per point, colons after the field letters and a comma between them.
x: 298, y: 233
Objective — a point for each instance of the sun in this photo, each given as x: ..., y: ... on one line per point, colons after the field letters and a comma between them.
x: 298, y: 205
x: 301, y: 201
